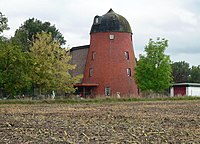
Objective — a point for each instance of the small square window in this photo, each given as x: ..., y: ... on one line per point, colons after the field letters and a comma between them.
x: 129, y: 72
x: 107, y: 91
x: 90, y: 72
x: 112, y: 37
x: 127, y: 55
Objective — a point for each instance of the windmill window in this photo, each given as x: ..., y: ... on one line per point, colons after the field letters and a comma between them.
x: 127, y: 55
x: 129, y: 72
x: 90, y: 72
x: 93, y: 55
x: 112, y: 36
x: 97, y: 20
x: 107, y: 91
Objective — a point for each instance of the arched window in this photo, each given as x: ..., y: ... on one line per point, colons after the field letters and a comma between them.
x: 93, y: 55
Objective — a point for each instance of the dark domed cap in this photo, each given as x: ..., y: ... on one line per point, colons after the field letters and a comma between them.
x: 110, y: 22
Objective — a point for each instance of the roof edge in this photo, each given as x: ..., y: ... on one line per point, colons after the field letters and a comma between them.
x: 187, y: 84
x: 80, y: 47
x: 86, y: 85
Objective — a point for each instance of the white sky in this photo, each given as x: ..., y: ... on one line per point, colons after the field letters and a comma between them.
x: 176, y: 20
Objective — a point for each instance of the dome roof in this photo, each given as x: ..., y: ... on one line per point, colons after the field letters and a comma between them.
x: 110, y: 22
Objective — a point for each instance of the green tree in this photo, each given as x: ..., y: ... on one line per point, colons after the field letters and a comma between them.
x: 3, y: 23
x: 14, y: 68
x: 180, y: 71
x: 51, y: 65
x: 27, y: 33
x: 153, y: 71
x: 195, y: 74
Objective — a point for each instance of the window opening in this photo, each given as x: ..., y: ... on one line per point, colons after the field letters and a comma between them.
x: 107, y: 91
x: 90, y: 72
x: 127, y: 55
x: 129, y: 72
x: 112, y: 37
x: 96, y: 20
x: 93, y: 55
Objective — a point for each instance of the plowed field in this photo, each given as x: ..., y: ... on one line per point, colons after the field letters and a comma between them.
x: 121, y: 122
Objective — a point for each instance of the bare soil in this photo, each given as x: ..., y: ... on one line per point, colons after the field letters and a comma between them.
x: 123, y: 122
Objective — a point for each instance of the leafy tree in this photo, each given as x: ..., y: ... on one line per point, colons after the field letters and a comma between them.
x: 153, y: 71
x: 27, y: 33
x: 180, y: 71
x: 51, y: 65
x: 14, y: 68
x: 195, y: 74
x: 3, y: 23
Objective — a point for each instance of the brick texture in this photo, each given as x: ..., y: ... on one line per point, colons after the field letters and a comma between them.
x: 110, y: 64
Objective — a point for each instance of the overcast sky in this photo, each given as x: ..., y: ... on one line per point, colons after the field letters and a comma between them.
x: 176, y: 20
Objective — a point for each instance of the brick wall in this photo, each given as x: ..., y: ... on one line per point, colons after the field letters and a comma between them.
x: 110, y: 64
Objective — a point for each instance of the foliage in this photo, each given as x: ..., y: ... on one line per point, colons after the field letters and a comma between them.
x: 180, y: 71
x: 3, y: 23
x: 195, y: 74
x: 153, y: 71
x: 14, y: 68
x: 27, y: 32
x: 50, y: 65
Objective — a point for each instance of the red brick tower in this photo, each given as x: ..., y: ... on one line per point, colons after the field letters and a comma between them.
x: 110, y: 62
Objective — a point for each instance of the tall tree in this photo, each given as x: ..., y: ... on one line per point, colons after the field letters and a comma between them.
x: 180, y: 71
x: 13, y: 64
x: 195, y: 74
x: 153, y: 71
x: 51, y: 65
x: 14, y: 68
x: 27, y: 32
x: 3, y: 23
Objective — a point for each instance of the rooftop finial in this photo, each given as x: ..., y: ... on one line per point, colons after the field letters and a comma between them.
x: 110, y: 10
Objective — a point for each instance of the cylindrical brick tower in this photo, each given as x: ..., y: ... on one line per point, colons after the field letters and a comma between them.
x: 110, y: 62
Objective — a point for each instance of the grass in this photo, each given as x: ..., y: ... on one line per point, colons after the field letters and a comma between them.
x: 97, y: 100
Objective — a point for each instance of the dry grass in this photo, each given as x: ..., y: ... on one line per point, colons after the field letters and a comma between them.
x: 119, y: 122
